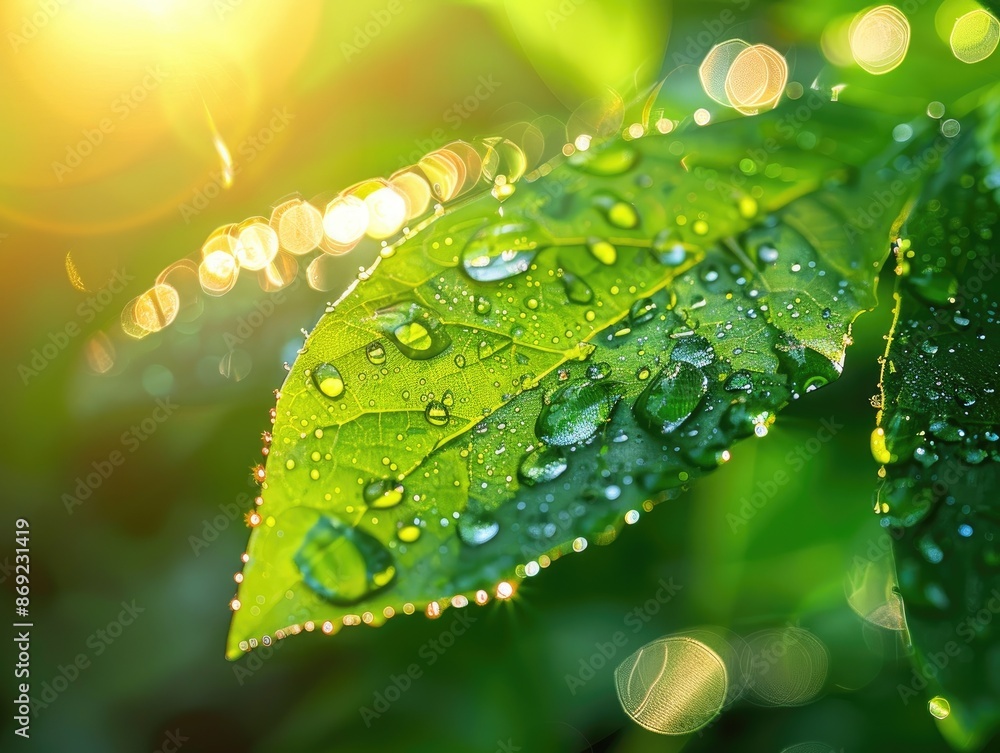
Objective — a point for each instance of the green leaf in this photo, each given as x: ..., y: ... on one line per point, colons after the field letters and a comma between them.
x: 937, y: 435
x: 521, y: 379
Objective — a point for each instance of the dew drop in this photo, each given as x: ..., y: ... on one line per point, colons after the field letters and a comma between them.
x: 939, y: 707
x: 616, y: 211
x: 408, y: 534
x: 603, y: 251
x: 375, y: 352
x: 501, y: 251
x: 668, y: 250
x: 767, y: 254
x: 641, y: 311
x: 739, y: 381
x: 541, y: 466
x: 671, y: 397
x: 437, y: 413
x: 343, y: 564
x: 414, y: 329
x: 577, y: 289
x: 382, y: 493
x: 576, y: 411
x: 328, y: 380
x: 475, y: 529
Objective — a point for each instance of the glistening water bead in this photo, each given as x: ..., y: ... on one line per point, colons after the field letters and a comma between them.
x: 375, y: 353
x: 475, y: 529
x: 328, y: 379
x: 414, y: 329
x: 343, y: 564
x: 500, y: 251
x: 618, y: 212
x: 576, y: 411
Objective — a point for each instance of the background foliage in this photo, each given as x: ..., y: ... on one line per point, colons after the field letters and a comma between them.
x: 161, y: 529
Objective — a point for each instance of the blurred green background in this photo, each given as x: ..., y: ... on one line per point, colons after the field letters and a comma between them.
x: 366, y: 88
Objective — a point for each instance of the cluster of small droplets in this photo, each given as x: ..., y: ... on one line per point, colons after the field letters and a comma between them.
x: 618, y: 213
x: 433, y: 610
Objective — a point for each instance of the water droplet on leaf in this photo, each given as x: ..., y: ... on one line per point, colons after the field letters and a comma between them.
x: 414, y: 329
x: 476, y: 529
x: 616, y: 211
x: 576, y: 411
x: 382, y: 493
x: 577, y: 289
x: 671, y: 397
x: 641, y: 311
x: 328, y: 380
x: 375, y: 353
x: 437, y: 413
x: 502, y: 250
x: 603, y: 251
x: 343, y: 564
x: 668, y: 250
x: 542, y: 465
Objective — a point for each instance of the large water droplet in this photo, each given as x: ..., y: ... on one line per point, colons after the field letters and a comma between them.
x: 806, y: 368
x: 343, y: 564
x: 616, y: 210
x: 542, y: 465
x: 375, y: 353
x: 382, y: 493
x: 476, y: 529
x: 739, y: 381
x: 767, y: 254
x: 695, y: 350
x: 599, y: 370
x: 328, y: 379
x: 965, y: 397
x: 502, y: 250
x: 576, y: 411
x: 414, y: 329
x: 577, y: 289
x: 668, y: 249
x: 671, y: 396
x: 641, y: 311
x: 408, y: 534
x: 437, y: 413
x: 602, y: 250
x: 878, y: 446
x: 939, y: 707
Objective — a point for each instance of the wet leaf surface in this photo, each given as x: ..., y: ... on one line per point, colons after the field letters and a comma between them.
x: 519, y: 380
x: 937, y: 437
